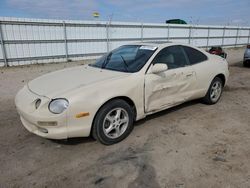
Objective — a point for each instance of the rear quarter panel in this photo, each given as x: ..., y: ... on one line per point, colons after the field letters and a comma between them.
x: 206, y: 71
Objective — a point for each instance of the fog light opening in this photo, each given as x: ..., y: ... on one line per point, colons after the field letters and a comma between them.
x: 43, y: 130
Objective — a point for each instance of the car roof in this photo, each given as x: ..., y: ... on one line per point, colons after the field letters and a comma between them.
x: 159, y: 44
x: 162, y: 44
x: 154, y: 43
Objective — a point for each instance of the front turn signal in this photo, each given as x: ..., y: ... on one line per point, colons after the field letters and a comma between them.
x: 82, y: 114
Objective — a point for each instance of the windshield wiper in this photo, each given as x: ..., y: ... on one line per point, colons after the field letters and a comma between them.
x: 125, y: 63
x: 106, y: 61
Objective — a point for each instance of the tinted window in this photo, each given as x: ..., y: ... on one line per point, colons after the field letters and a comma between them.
x: 173, y: 56
x: 194, y: 55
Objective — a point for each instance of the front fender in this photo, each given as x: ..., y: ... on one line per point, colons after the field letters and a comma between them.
x: 90, y: 99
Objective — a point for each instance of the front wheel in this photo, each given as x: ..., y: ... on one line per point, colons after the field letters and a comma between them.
x: 214, y: 92
x: 113, y: 122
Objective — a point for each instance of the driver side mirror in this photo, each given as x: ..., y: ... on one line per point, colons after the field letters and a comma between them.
x: 159, y: 67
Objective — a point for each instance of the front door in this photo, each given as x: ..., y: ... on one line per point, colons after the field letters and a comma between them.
x: 172, y: 87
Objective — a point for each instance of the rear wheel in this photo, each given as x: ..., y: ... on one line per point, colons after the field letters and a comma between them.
x: 214, y: 92
x: 113, y: 122
x: 246, y: 63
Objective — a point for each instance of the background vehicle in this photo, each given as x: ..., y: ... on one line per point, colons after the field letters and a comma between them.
x: 217, y: 50
x: 176, y: 21
x: 246, y: 61
x: 105, y: 98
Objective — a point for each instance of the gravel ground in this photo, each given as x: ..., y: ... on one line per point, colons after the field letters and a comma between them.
x: 191, y: 145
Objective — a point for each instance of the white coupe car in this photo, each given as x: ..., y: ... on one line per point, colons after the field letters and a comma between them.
x: 104, y: 99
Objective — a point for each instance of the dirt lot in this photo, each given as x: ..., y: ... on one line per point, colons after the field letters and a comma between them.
x: 192, y: 145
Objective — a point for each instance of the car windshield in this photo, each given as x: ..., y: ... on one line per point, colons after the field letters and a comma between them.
x: 128, y: 58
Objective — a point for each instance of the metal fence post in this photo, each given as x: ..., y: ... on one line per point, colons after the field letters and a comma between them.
x: 65, y: 41
x: 223, y: 36
x: 237, y: 35
x: 189, y: 37
x: 107, y: 33
x: 248, y: 37
x: 208, y: 35
x: 142, y: 28
x: 3, y: 47
x: 168, y: 32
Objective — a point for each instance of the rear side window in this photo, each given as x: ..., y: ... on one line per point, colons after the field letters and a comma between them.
x: 194, y: 55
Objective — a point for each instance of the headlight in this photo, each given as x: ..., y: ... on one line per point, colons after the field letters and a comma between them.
x: 57, y: 106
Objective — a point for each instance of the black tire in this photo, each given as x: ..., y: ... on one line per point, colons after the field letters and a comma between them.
x: 245, y: 63
x: 208, y: 99
x: 98, y: 125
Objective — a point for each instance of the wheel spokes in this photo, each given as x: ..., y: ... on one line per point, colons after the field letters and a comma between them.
x: 117, y: 131
x: 212, y: 94
x: 215, y: 91
x: 109, y: 129
x: 124, y: 120
x: 118, y: 114
x: 115, y: 123
x: 214, y: 86
x: 110, y: 118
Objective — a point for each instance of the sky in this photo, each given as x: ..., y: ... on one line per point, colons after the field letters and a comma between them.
x: 212, y: 12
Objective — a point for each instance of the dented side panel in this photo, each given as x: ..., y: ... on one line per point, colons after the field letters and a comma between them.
x: 168, y: 88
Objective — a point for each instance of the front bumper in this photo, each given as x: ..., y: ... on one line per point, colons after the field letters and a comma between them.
x: 40, y: 121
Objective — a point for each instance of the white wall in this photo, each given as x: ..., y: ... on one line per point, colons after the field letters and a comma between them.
x: 28, y: 41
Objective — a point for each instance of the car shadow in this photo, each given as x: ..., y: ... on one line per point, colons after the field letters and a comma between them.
x: 167, y: 111
x: 240, y: 65
x: 74, y: 141
x: 82, y: 140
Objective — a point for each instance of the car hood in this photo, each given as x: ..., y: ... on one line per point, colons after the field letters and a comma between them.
x: 56, y: 83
